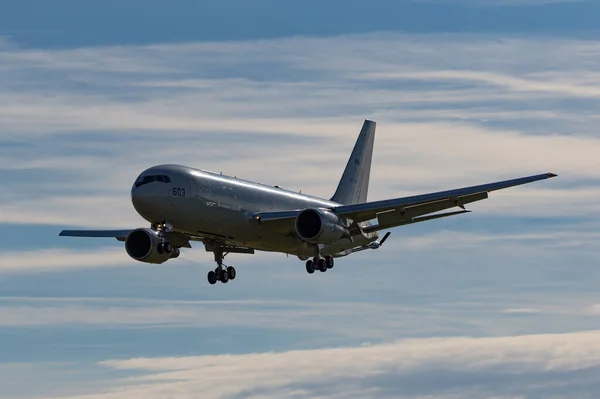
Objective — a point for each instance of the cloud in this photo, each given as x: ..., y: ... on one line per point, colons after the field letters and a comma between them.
x: 499, y: 367
x: 509, y: 82
x: 336, y: 318
x: 79, y: 125
x: 285, y: 315
x: 552, y: 241
x: 403, y: 165
x: 60, y: 259
x: 493, y: 312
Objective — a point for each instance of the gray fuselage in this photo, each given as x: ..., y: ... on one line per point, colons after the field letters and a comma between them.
x: 210, y: 205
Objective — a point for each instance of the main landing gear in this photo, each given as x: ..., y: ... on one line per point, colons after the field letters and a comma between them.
x: 318, y: 263
x: 222, y: 273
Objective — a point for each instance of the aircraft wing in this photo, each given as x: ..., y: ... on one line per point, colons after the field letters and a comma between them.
x: 178, y: 239
x: 120, y: 235
x: 399, y: 211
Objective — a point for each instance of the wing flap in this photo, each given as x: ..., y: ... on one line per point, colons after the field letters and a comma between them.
x: 402, y: 215
x: 377, y: 227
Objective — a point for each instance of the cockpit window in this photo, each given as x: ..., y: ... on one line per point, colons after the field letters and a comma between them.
x: 150, y: 178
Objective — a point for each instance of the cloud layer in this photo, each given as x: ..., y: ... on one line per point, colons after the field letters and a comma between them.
x: 534, y: 366
x: 452, y: 111
x: 78, y: 125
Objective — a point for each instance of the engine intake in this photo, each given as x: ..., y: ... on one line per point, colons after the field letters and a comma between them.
x: 143, y: 245
x: 319, y: 226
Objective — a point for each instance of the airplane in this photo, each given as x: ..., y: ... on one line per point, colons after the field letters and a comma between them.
x: 231, y: 215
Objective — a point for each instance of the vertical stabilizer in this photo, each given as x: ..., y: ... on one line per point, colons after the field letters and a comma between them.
x: 354, y: 183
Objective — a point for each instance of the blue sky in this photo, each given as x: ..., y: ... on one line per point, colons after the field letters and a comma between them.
x: 500, y: 303
x: 71, y: 22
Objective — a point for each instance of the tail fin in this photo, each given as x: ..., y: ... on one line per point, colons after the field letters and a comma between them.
x: 354, y: 183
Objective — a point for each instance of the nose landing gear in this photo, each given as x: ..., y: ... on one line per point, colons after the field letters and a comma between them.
x: 164, y: 248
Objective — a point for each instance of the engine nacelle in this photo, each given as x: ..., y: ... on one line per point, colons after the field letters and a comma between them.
x: 142, y: 245
x: 319, y: 226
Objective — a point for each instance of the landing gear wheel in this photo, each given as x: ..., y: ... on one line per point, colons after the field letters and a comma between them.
x: 329, y: 261
x: 212, y: 277
x: 322, y: 265
x: 231, y: 272
x: 310, y: 266
x: 224, y: 277
x: 164, y: 248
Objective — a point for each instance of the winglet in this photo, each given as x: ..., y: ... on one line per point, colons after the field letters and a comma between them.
x: 550, y: 175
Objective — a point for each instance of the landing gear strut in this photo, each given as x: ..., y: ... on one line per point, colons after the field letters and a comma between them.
x: 163, y: 247
x: 222, y: 273
x: 318, y: 263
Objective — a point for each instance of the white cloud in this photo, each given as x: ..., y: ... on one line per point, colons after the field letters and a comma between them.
x: 60, y: 259
x: 548, y: 240
x: 337, y: 318
x: 78, y: 125
x: 466, y: 110
x: 325, y: 319
x: 405, y: 369
x: 509, y: 82
x: 409, y: 159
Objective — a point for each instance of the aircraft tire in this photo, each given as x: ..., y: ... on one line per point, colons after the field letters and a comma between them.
x: 329, y: 261
x: 231, y: 272
x: 224, y: 277
x: 212, y: 277
x: 322, y: 265
x: 310, y: 266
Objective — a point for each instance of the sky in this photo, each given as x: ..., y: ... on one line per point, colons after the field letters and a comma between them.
x: 501, y: 303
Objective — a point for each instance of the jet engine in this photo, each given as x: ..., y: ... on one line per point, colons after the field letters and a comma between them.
x: 320, y: 226
x: 147, y: 246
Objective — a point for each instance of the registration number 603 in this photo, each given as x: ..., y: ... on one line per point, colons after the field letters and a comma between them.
x: 178, y: 192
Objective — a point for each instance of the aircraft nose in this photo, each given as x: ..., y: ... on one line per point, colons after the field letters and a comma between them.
x: 141, y: 200
x: 134, y: 194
